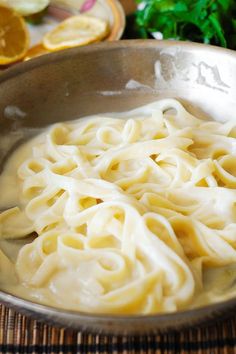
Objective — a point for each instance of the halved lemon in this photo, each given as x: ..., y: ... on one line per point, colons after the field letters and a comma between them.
x: 76, y: 31
x: 14, y: 36
x: 26, y: 7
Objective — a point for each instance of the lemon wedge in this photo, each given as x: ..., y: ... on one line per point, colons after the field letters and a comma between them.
x: 76, y: 31
x: 26, y: 7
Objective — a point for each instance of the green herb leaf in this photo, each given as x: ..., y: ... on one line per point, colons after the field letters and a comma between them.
x: 207, y: 21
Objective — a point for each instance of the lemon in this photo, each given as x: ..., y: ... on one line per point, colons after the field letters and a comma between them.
x: 26, y: 7
x: 35, y: 51
x: 14, y: 36
x: 75, y: 31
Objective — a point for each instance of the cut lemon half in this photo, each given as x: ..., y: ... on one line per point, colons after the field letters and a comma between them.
x: 76, y: 31
x: 14, y: 36
x: 26, y: 7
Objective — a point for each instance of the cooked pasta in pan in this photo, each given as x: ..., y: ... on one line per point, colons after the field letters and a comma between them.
x: 130, y: 213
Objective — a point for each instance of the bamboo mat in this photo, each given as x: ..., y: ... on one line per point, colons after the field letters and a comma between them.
x: 19, y: 334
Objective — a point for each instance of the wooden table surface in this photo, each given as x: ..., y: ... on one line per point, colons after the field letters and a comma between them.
x: 129, y: 5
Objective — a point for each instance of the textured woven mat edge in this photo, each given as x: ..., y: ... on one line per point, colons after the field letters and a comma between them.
x: 19, y: 334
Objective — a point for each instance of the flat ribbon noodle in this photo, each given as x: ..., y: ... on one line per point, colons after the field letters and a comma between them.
x: 130, y: 210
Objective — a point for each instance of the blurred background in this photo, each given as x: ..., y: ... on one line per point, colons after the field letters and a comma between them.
x: 42, y: 26
x: 129, y: 6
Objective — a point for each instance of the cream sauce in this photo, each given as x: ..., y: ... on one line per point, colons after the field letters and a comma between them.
x: 133, y: 214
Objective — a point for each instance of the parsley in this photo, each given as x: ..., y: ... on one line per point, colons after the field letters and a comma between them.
x: 207, y: 21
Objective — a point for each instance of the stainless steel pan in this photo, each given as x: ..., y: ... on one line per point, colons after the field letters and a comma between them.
x: 115, y: 77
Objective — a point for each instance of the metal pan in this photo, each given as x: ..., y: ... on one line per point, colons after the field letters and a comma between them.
x: 116, y: 77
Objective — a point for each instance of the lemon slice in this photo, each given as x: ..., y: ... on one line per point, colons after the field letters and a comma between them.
x: 26, y: 7
x: 75, y: 31
x: 14, y: 36
x: 35, y: 51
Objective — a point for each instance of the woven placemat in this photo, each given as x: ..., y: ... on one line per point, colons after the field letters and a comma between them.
x: 19, y: 334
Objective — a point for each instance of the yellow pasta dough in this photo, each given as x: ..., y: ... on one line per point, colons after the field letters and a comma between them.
x: 131, y: 212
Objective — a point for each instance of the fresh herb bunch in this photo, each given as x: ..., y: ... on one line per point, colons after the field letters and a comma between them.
x: 207, y: 21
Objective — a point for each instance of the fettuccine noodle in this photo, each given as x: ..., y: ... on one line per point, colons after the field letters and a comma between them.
x: 130, y: 211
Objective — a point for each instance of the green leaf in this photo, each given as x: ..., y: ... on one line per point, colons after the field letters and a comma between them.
x: 213, y: 18
x: 225, y: 4
x: 208, y: 21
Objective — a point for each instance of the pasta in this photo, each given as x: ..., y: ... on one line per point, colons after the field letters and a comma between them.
x: 131, y: 212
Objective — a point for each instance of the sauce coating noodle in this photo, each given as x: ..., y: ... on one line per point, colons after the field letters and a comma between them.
x: 134, y: 213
